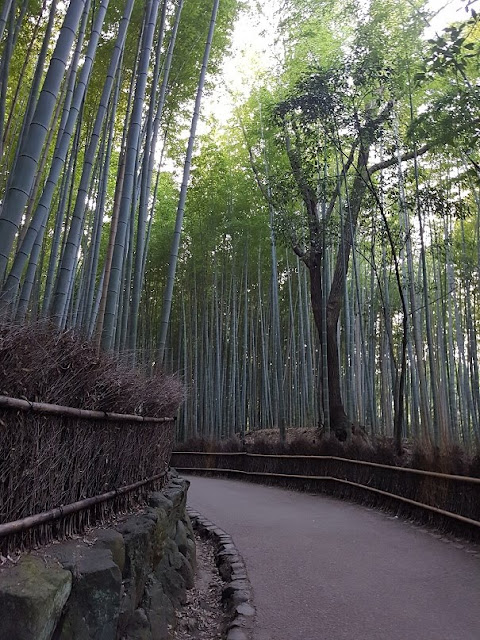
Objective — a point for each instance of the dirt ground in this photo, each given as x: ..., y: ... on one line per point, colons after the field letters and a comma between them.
x: 272, y: 435
x: 203, y: 618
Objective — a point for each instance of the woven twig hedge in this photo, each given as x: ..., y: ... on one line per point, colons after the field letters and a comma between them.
x: 47, y: 461
x: 41, y: 364
x: 53, y: 461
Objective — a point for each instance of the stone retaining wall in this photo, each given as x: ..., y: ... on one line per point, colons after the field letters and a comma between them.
x: 117, y: 583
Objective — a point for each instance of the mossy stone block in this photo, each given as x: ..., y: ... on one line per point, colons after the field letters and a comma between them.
x: 32, y: 596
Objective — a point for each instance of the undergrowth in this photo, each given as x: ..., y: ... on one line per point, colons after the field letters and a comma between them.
x: 449, y: 459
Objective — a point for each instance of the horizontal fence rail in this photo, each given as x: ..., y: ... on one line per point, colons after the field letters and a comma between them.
x: 394, y: 496
x: 71, y: 412
x: 447, y: 496
x: 75, y: 507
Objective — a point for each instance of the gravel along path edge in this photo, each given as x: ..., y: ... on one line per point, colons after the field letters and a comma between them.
x: 237, y: 594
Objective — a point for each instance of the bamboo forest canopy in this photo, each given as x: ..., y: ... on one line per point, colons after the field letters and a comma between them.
x: 326, y: 256
x: 93, y: 97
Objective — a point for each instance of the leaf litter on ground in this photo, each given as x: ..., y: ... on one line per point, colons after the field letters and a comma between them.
x: 203, y: 617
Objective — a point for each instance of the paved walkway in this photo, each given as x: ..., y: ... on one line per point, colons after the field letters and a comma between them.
x: 323, y: 569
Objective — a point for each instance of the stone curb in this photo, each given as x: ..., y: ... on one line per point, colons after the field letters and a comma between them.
x: 237, y: 595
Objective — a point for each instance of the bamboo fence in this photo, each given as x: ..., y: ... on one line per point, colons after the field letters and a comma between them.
x: 63, y: 469
x: 446, y: 500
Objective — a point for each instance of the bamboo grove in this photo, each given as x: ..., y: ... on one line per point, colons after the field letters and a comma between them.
x: 326, y: 257
x: 355, y: 302
x: 94, y: 97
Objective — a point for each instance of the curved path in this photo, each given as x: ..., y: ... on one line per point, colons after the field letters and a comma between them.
x: 323, y: 569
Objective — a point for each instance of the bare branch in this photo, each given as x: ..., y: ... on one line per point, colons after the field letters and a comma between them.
x: 416, y: 152
x: 403, y: 158
x: 337, y: 189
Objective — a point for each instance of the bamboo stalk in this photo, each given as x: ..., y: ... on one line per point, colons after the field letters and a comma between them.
x: 71, y: 412
x: 17, y: 526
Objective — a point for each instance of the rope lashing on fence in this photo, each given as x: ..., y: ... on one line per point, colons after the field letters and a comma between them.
x: 387, y: 494
x: 431, y: 474
x: 29, y: 522
x: 70, y: 412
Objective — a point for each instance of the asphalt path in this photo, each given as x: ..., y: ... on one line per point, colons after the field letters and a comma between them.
x: 324, y: 569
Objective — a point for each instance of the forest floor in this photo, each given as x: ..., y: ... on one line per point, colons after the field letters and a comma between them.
x: 304, y: 436
x: 202, y: 617
x: 291, y: 434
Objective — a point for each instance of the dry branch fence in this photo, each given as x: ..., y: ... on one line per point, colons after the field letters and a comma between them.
x: 62, y: 468
x: 449, y: 501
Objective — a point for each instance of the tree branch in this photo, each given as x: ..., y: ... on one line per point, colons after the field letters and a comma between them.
x: 301, y: 253
x: 406, y: 156
x: 300, y: 179
x: 255, y: 170
x: 373, y: 122
x: 416, y: 152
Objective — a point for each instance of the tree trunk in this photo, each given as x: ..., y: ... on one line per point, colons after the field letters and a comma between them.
x: 340, y: 424
x: 127, y: 197
x: 67, y: 264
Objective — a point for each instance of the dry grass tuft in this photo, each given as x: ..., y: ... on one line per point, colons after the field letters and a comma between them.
x: 41, y: 364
